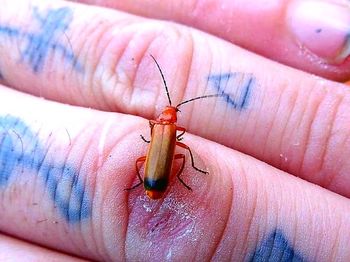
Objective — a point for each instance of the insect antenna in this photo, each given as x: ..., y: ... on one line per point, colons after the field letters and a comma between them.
x: 165, y: 85
x: 199, y: 97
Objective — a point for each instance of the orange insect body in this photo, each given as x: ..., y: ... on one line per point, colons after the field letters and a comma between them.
x: 161, y: 151
x: 160, y: 156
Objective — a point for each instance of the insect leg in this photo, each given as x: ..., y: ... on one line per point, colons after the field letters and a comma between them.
x: 181, y: 156
x: 192, y: 161
x: 182, y: 130
x: 152, y: 123
x: 139, y: 160
x: 144, y: 139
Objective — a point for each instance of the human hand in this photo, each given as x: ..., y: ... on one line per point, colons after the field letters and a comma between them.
x: 64, y: 168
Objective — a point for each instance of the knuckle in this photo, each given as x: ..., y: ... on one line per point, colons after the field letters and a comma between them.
x: 120, y: 75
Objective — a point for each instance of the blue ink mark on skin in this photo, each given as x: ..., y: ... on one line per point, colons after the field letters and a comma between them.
x: 39, y: 44
x: 1, y: 76
x: 243, y: 83
x: 12, y: 32
x: 62, y: 181
x: 8, y: 165
x: 276, y: 248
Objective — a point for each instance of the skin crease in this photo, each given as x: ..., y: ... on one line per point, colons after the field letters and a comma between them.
x: 237, y: 188
x: 301, y: 152
x: 261, y: 27
x: 63, y: 169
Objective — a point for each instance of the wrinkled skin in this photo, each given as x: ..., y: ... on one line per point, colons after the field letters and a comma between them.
x: 276, y: 144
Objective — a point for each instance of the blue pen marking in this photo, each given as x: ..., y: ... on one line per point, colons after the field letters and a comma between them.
x: 276, y: 248
x: 11, y: 32
x: 1, y: 76
x: 243, y: 83
x: 20, y: 149
x: 51, y: 27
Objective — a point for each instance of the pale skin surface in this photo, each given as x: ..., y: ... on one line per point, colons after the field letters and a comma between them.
x: 12, y: 248
x: 276, y: 146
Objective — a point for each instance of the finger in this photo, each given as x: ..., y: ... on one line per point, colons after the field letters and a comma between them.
x: 289, y: 119
x: 285, y: 31
x: 55, y: 187
x: 243, y: 209
x: 63, y: 174
x: 12, y: 249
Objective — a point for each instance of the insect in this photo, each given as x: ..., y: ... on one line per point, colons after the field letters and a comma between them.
x: 161, y: 151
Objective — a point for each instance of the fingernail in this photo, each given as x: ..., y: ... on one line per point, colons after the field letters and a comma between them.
x: 321, y: 27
